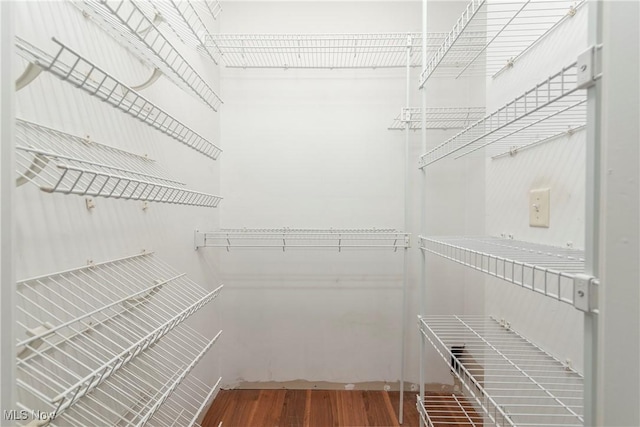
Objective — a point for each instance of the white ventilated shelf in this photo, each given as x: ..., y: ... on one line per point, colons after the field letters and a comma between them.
x: 62, y: 163
x: 512, y: 381
x: 328, y: 51
x: 289, y: 238
x: 185, y: 18
x: 185, y: 405
x: 449, y: 410
x: 69, y: 66
x: 126, y: 22
x: 552, y: 108
x: 82, y: 332
x: 491, y: 35
x: 437, y: 118
x: 547, y: 270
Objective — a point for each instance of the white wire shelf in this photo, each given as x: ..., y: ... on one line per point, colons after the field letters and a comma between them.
x: 491, y: 35
x: 80, y: 327
x: 437, y: 118
x: 185, y: 404
x: 184, y: 17
x: 59, y: 162
x: 512, y: 381
x: 547, y: 270
x: 289, y: 238
x: 327, y: 51
x: 448, y: 410
x: 553, y: 107
x: 126, y: 22
x: 69, y: 66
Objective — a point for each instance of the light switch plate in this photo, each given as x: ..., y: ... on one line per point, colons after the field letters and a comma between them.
x: 539, y: 207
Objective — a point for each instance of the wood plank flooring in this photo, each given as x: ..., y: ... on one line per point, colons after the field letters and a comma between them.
x: 310, y: 408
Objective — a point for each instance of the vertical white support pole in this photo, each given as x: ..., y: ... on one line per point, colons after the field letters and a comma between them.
x: 7, y: 185
x: 423, y: 206
x: 592, y: 221
x: 407, y: 199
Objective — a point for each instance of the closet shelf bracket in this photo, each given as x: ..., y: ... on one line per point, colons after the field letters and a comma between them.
x: 151, y: 80
x: 29, y: 74
x: 585, y: 293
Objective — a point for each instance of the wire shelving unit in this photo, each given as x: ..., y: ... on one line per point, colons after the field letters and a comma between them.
x: 552, y: 108
x: 290, y: 238
x: 547, y: 270
x: 511, y: 380
x: 184, y: 19
x: 62, y: 163
x: 125, y: 21
x: 71, y: 67
x: 448, y: 410
x: 185, y: 404
x: 107, y: 339
x: 324, y: 51
x: 490, y: 36
x: 437, y: 118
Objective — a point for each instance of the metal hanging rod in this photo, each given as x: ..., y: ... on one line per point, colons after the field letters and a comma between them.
x: 547, y: 270
x: 69, y: 66
x: 438, y: 118
x: 125, y: 21
x: 444, y: 411
x: 324, y: 51
x: 62, y: 163
x: 490, y: 36
x: 302, y: 238
x: 79, y: 328
x: 184, y: 19
x: 553, y: 106
x: 509, y: 379
x: 185, y: 404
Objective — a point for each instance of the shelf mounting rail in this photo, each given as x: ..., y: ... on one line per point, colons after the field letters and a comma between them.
x: 127, y: 24
x: 71, y: 67
x: 58, y: 162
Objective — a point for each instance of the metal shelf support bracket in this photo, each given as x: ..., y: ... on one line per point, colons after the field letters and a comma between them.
x: 585, y: 293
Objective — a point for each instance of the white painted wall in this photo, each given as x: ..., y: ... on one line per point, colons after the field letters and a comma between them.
x: 309, y: 148
x: 55, y: 232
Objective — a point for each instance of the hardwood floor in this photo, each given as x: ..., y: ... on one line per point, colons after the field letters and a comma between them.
x: 310, y: 408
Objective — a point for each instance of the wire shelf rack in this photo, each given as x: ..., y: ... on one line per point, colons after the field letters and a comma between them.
x: 553, y: 107
x: 512, y: 381
x: 448, y: 410
x: 547, y: 270
x: 438, y: 118
x: 126, y: 22
x: 62, y: 163
x: 185, y: 404
x: 290, y: 238
x: 79, y: 328
x: 69, y: 66
x: 491, y: 35
x: 325, y: 51
x: 184, y: 19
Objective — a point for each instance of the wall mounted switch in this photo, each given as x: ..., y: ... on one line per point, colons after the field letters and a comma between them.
x: 539, y: 208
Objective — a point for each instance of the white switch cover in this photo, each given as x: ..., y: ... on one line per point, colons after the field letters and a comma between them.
x: 539, y: 208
